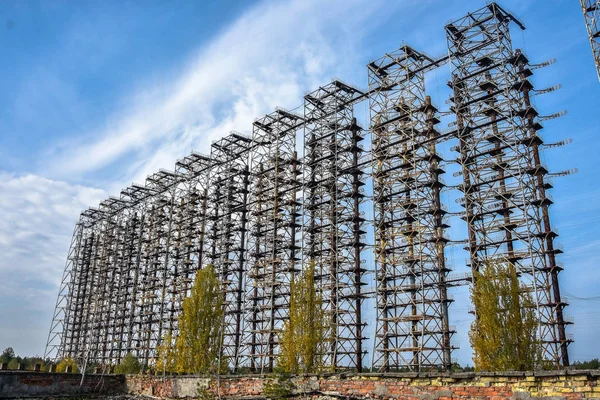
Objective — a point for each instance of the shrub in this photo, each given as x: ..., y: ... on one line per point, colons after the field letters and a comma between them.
x: 129, y: 365
x: 66, y: 362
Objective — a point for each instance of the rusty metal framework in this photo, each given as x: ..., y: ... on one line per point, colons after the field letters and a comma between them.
x: 275, y: 227
x: 131, y: 292
x: 333, y: 233
x: 413, y: 328
x: 77, y: 307
x: 130, y: 266
x: 260, y: 209
x: 227, y: 230
x: 506, y: 207
x: 591, y: 13
x: 188, y: 233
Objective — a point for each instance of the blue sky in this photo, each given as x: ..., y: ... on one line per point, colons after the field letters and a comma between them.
x: 96, y: 95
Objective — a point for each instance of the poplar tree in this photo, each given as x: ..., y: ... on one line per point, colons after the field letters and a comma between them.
x: 504, y: 333
x: 302, y: 335
x: 166, y: 355
x: 196, y: 348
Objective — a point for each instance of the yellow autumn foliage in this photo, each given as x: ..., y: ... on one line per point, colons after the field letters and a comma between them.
x: 303, y: 333
x: 504, y: 333
x: 196, y: 348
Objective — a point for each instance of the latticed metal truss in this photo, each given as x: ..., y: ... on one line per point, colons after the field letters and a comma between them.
x: 504, y: 188
x: 105, y: 272
x: 591, y: 13
x: 131, y: 264
x: 333, y: 231
x: 412, y: 301
x: 259, y: 214
x: 131, y: 293
x: 61, y: 335
x: 275, y: 226
x: 157, y: 263
x: 187, y: 244
x: 80, y: 304
x: 227, y: 229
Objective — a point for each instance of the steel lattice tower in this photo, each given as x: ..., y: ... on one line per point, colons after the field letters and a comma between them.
x: 125, y: 230
x: 333, y: 224
x: 132, y: 292
x: 190, y: 251
x: 227, y: 230
x: 259, y: 214
x: 274, y: 218
x: 76, y: 308
x: 131, y: 264
x: 107, y: 273
x: 156, y: 268
x: 188, y: 248
x: 412, y: 301
x: 591, y: 13
x: 504, y: 190
x: 93, y: 279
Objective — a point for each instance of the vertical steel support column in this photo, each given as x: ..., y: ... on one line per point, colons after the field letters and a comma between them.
x: 138, y: 198
x: 501, y: 194
x: 228, y: 217
x: 106, y: 318
x: 412, y: 301
x: 192, y: 214
x: 591, y: 13
x: 89, y: 289
x: 121, y: 295
x: 60, y: 335
x: 272, y: 242
x: 334, y: 236
x: 530, y: 121
x: 161, y: 271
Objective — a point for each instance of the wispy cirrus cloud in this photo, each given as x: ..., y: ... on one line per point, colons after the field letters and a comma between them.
x: 270, y: 56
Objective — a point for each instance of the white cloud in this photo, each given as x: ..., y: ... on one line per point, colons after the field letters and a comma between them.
x: 269, y: 57
x: 37, y: 217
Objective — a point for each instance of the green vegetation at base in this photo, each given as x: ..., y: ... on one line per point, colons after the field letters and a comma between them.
x: 67, y: 362
x: 504, y: 333
x: 303, y: 333
x: 591, y: 364
x: 129, y: 365
x: 196, y: 348
x: 278, y: 388
x: 7, y: 355
x: 12, y: 360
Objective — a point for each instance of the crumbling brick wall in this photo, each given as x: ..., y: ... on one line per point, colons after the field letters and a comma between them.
x: 418, y: 386
x: 30, y: 384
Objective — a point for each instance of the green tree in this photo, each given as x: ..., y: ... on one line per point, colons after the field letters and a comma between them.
x: 303, y: 333
x: 7, y: 355
x: 591, y: 364
x: 197, y: 347
x: 129, y: 365
x: 503, y: 335
x: 166, y: 354
x: 32, y: 361
x: 13, y: 364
